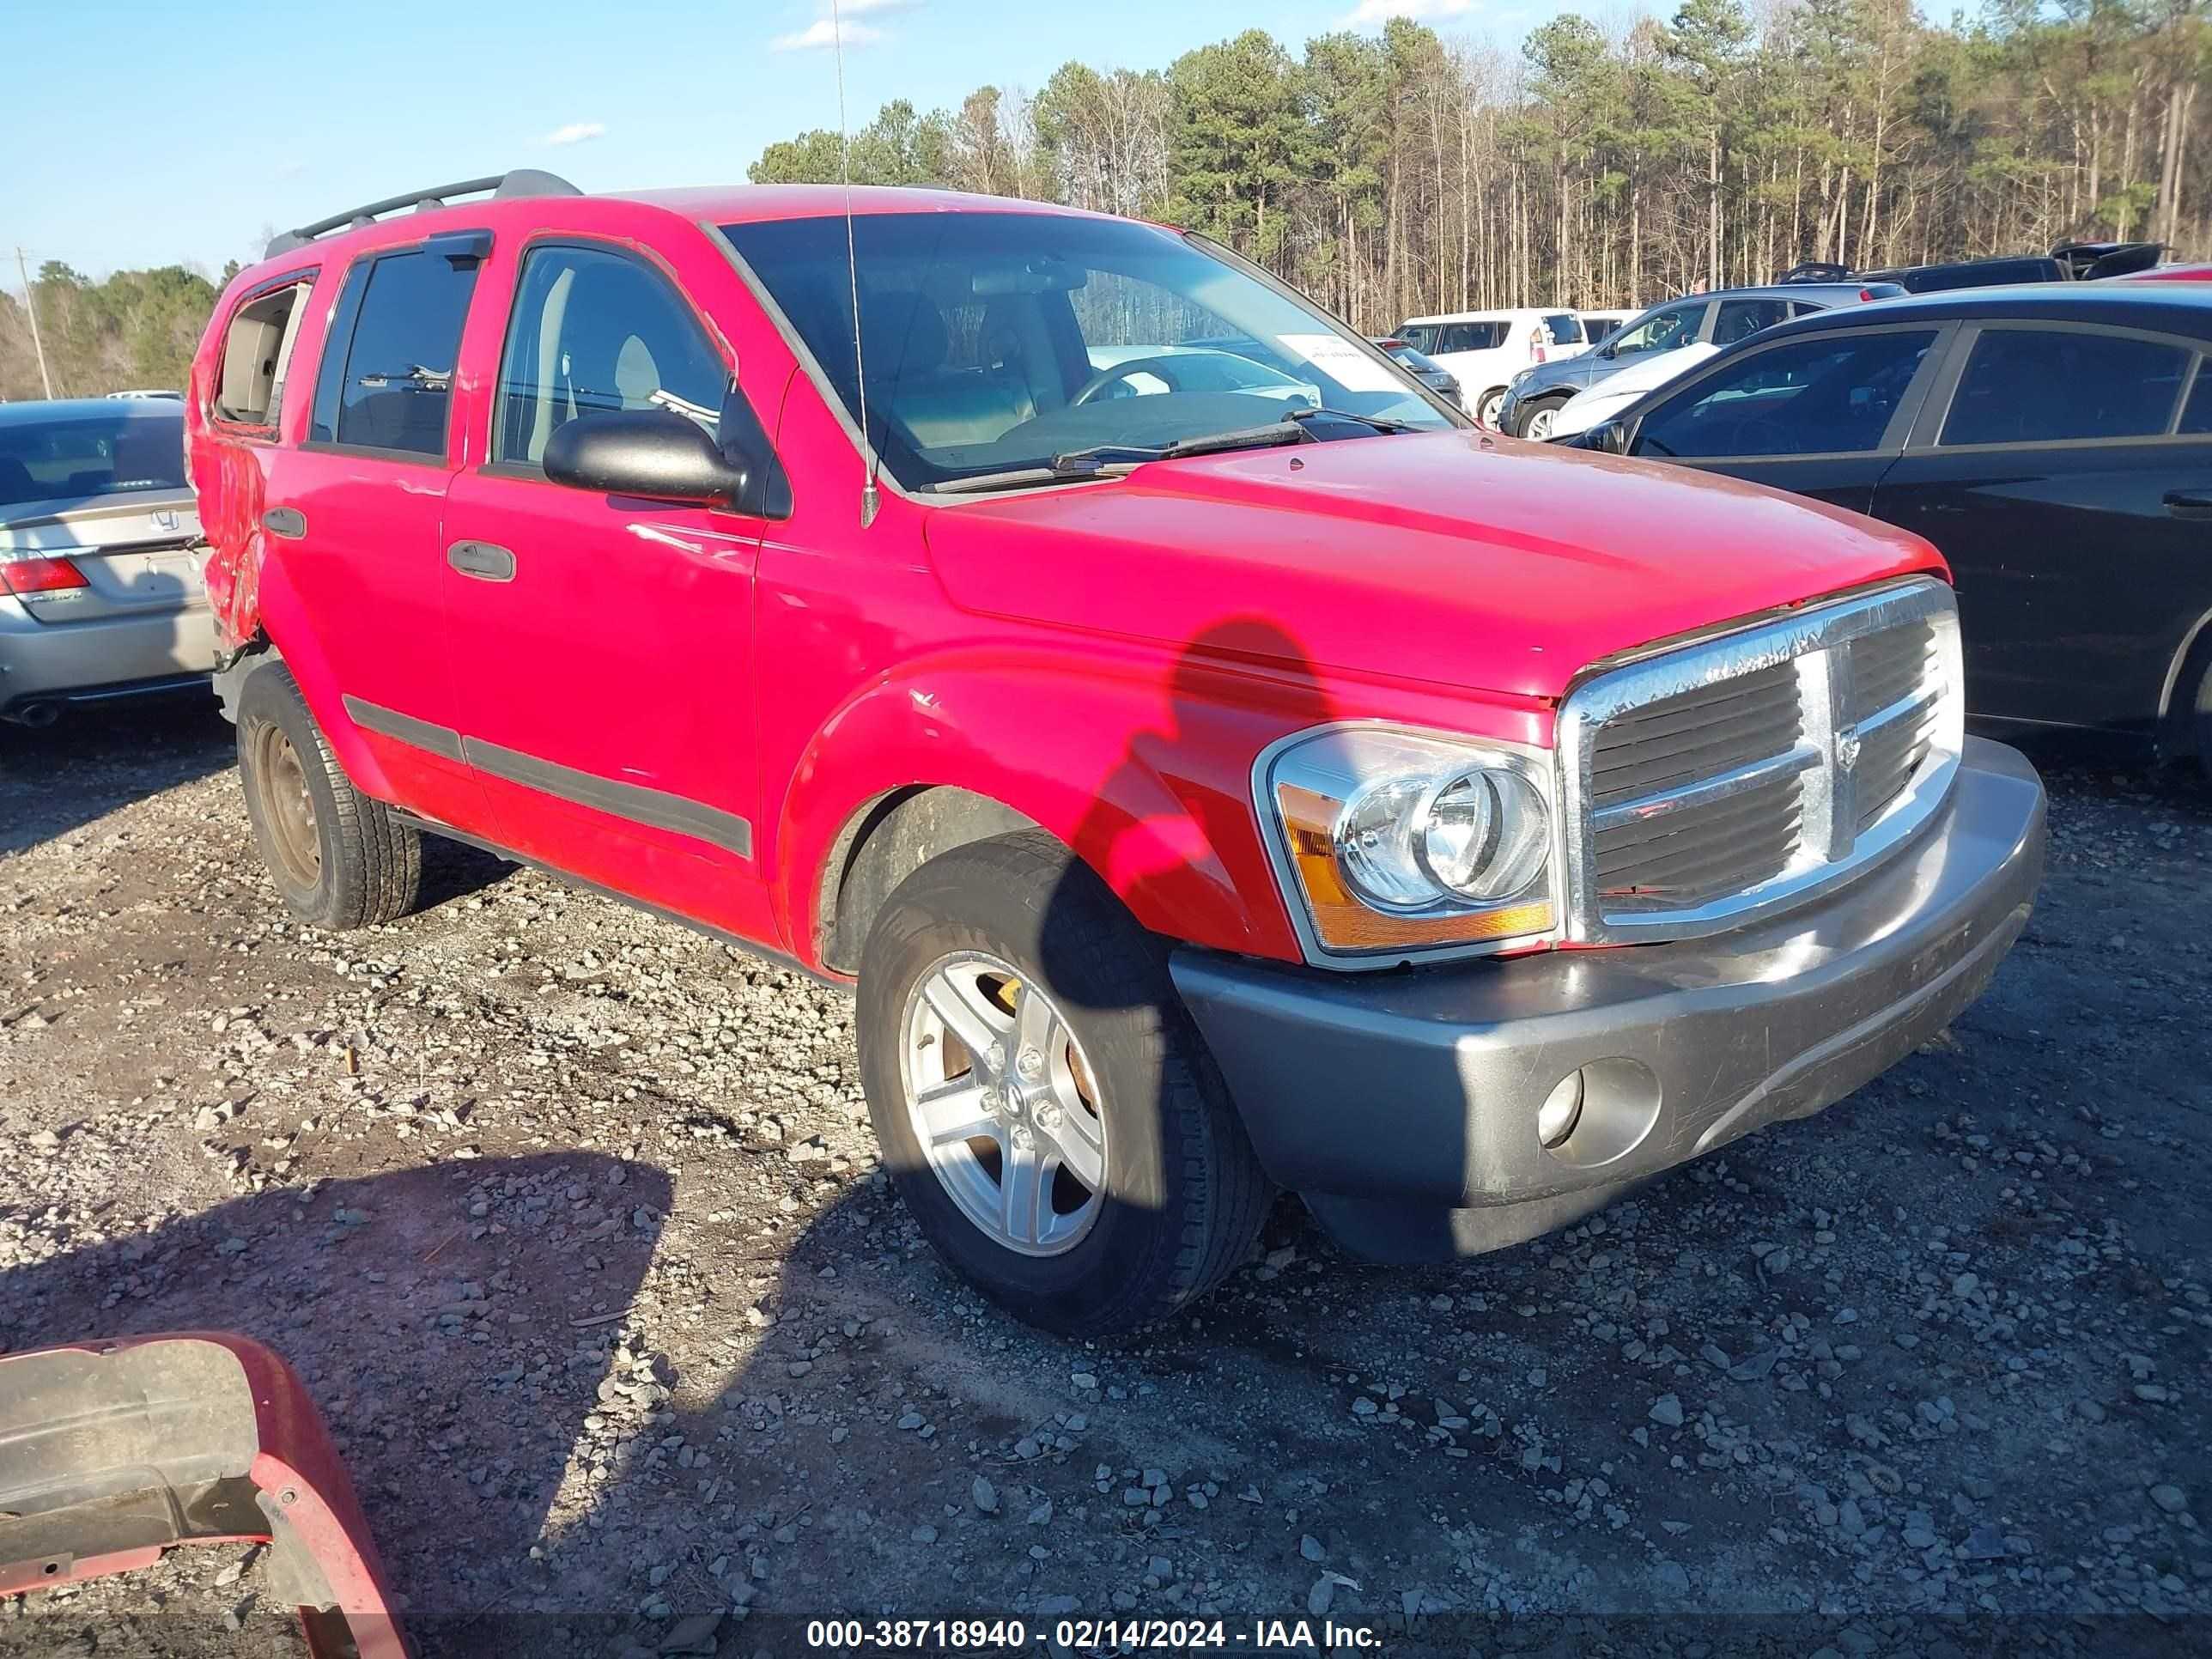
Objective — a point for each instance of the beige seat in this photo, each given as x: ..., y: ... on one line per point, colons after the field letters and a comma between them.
x: 906, y: 343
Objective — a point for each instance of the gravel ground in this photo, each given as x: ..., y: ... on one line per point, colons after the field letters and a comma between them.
x: 571, y: 1221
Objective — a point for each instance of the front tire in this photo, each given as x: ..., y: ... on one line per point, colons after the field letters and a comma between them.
x: 1049, y: 1114
x: 1538, y: 427
x: 341, y: 859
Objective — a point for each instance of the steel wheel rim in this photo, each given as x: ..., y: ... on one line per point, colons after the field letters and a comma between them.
x: 289, y: 807
x: 1540, y: 424
x: 1004, y: 1103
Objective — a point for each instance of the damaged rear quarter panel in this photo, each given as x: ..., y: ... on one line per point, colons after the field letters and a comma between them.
x: 229, y: 462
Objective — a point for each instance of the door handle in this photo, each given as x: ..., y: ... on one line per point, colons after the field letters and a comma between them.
x: 2189, y: 503
x: 486, y: 560
x: 286, y: 521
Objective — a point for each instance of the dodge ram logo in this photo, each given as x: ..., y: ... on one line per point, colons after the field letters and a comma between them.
x: 1847, y: 748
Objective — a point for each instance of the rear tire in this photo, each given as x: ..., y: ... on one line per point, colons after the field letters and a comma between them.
x: 1486, y: 409
x: 1180, y: 1195
x: 341, y: 859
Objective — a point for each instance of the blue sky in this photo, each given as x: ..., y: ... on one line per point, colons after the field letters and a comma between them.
x: 253, y: 115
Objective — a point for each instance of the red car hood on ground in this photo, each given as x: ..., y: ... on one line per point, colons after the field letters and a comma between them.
x: 1457, y: 558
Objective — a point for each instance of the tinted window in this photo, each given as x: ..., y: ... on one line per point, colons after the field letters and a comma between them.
x: 1819, y: 397
x: 1564, y: 328
x: 135, y: 447
x: 1741, y: 319
x: 1662, y: 329
x: 2040, y: 386
x: 397, y: 378
x: 1472, y: 337
x: 593, y: 332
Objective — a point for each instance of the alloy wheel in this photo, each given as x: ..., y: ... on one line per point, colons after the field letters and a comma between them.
x: 1002, y: 1103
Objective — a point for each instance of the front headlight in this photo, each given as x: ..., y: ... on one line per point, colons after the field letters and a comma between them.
x: 1391, y: 841
x: 1521, y: 375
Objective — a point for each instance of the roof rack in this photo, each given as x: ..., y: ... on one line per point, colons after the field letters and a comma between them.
x: 504, y: 186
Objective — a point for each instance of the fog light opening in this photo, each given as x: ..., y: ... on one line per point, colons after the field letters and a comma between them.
x: 1599, y: 1113
x: 1561, y: 1110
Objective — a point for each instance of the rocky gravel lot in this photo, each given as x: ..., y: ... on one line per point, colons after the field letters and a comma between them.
x: 571, y: 1220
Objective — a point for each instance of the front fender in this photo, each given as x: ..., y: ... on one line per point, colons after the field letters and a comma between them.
x: 1139, y: 760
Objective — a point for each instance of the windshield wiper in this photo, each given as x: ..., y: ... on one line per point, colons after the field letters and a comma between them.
x: 1380, y: 422
x: 1112, y: 460
x: 1249, y: 437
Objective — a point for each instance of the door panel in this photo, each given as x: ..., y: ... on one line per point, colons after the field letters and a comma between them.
x: 2047, y: 492
x: 2077, y: 585
x: 607, y: 699
x: 353, y: 517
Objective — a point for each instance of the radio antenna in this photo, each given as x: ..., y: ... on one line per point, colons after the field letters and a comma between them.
x: 871, y: 500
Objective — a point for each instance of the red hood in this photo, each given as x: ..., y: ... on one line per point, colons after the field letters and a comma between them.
x: 1452, y: 557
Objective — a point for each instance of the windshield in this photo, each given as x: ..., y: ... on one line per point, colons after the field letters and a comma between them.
x: 993, y: 341
x: 132, y: 447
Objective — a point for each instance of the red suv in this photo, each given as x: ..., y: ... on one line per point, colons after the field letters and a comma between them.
x: 1221, y: 767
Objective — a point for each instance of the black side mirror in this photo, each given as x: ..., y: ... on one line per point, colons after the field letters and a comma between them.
x: 1612, y: 437
x: 654, y: 453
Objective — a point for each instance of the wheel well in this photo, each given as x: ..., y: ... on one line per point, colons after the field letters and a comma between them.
x: 2179, y: 729
x: 886, y: 841
x: 230, y: 678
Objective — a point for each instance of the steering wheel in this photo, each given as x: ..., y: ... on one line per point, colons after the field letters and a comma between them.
x: 1095, y: 387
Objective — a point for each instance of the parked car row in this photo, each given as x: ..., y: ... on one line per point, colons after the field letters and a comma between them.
x: 1484, y: 349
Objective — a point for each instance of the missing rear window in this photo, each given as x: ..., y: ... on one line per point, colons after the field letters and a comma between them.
x: 257, y: 349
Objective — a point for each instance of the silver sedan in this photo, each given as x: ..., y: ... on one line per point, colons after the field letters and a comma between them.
x: 100, y: 582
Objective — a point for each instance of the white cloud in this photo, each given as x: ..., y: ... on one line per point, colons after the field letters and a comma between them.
x: 576, y: 132
x: 822, y: 33
x: 1381, y: 11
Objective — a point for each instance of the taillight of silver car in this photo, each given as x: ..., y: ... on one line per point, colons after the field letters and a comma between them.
x: 37, y: 577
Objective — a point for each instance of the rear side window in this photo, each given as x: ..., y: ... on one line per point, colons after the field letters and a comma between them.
x: 1472, y: 337
x: 2044, y: 385
x: 595, y: 331
x: 257, y: 351
x: 1433, y: 338
x: 1564, y: 328
x: 387, y: 379
x: 1828, y: 396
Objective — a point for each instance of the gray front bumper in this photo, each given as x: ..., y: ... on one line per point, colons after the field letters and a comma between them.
x: 1403, y: 1106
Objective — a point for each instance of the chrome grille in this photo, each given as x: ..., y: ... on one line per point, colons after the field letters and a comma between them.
x: 1740, y: 773
x: 1695, y: 850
